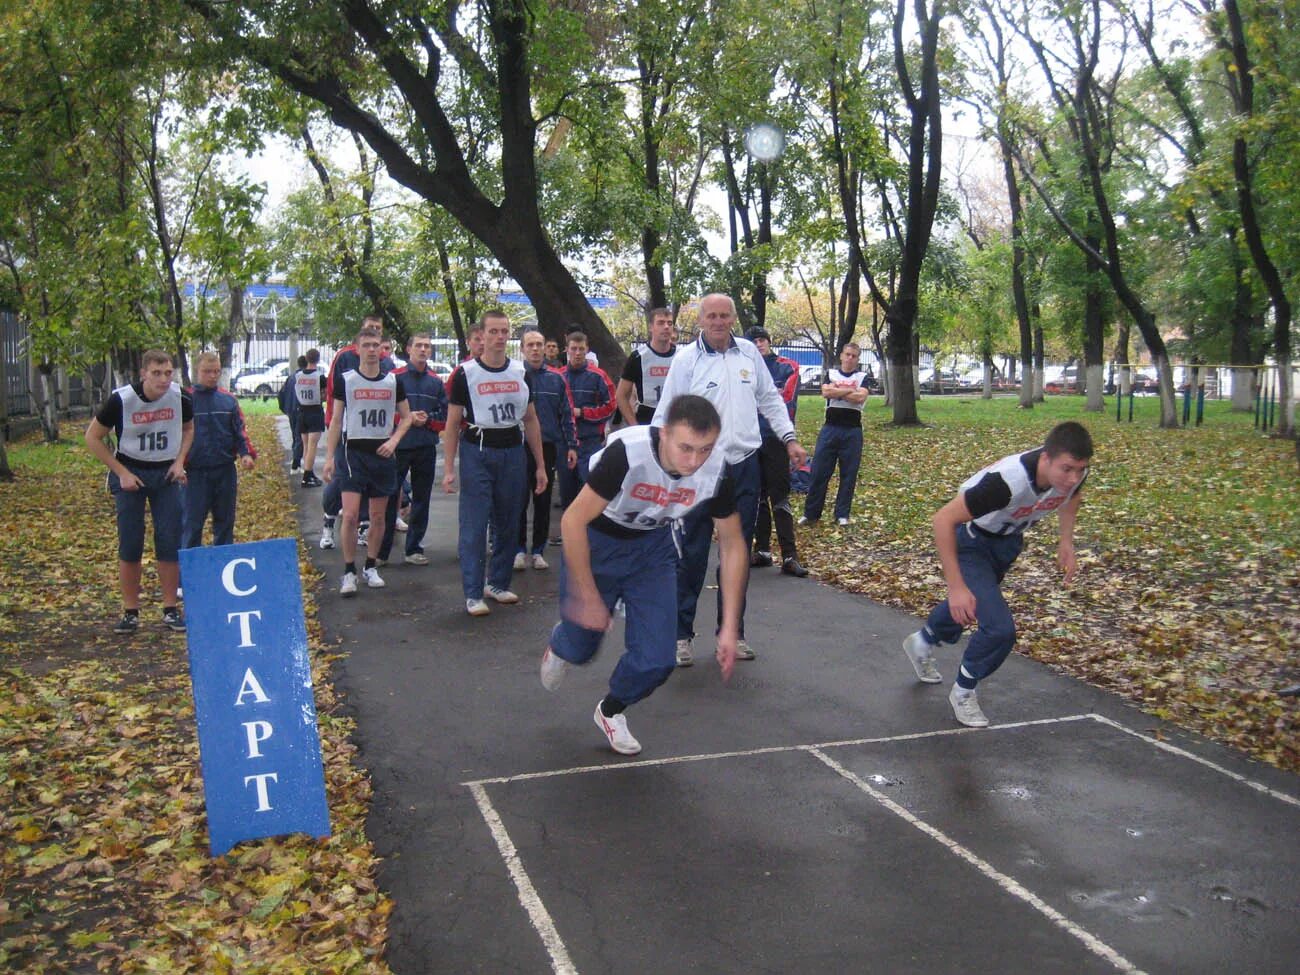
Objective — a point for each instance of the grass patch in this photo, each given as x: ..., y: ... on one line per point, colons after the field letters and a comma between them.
x: 105, y: 863
x: 1189, y: 540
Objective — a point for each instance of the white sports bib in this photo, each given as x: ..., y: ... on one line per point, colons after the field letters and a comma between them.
x: 650, y: 497
x: 151, y: 431
x: 1026, y: 505
x: 306, y: 386
x: 498, y: 397
x: 369, y: 406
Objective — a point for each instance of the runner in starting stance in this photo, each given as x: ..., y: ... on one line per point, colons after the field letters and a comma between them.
x: 978, y: 534
x: 619, y: 544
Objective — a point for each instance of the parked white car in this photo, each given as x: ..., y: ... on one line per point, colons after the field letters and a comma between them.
x: 266, y: 383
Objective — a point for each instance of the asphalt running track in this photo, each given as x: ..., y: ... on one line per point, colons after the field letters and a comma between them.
x: 823, y: 811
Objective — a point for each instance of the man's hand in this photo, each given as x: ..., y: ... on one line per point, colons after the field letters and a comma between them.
x: 387, y: 448
x: 419, y: 418
x: 587, y: 610
x: 571, y: 459
x: 328, y: 472
x: 540, y: 481
x: 247, y: 462
x: 1065, y: 558
x: 176, y: 473
x: 449, y: 482
x: 961, y: 604
x: 798, y: 456
x: 726, y: 652
x: 129, y: 482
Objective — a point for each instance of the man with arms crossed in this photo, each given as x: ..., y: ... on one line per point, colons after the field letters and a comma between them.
x: 618, y: 544
x: 366, y: 400
x: 555, y: 416
x: 153, y: 422
x: 978, y: 534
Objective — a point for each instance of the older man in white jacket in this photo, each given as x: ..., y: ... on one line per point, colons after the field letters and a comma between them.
x: 729, y: 372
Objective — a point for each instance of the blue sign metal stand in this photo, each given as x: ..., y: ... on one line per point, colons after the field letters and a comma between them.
x: 251, y: 674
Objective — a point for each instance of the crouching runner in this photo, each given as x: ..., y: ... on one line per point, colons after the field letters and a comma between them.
x: 619, y: 544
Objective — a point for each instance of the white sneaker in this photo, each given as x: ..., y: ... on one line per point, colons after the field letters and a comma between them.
x: 349, y: 585
x: 295, y: 469
x: 553, y: 669
x: 803, y: 520
x: 500, y: 595
x: 416, y: 558
x: 521, y: 561
x: 476, y: 607
x: 841, y: 522
x: 684, y: 656
x: 363, y: 535
x: 743, y: 651
x: 616, y: 733
x: 400, y: 524
x: 327, y: 536
x: 373, y: 579
x: 921, y: 654
x: 540, y: 563
x: 966, y: 707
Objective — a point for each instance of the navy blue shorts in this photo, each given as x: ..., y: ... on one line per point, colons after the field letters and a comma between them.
x: 363, y: 472
x: 166, y: 505
x: 311, y: 421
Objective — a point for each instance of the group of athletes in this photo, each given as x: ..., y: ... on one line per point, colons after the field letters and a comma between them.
x: 708, y: 441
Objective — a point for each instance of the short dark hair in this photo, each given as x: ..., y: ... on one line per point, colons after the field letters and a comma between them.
x: 654, y: 313
x: 375, y: 320
x: 695, y: 411
x: 1069, y: 438
x: 491, y: 313
x: 313, y: 356
x: 369, y: 332
x: 756, y: 332
x: 302, y: 362
x: 155, y: 355
x: 577, y: 335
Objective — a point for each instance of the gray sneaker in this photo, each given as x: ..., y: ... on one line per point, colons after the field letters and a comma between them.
x: 684, y: 656
x: 966, y: 707
x: 743, y: 652
x: 553, y: 669
x: 920, y: 652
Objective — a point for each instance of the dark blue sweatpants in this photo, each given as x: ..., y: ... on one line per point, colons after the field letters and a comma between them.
x: 491, y: 489
x: 636, y: 570
x: 209, y: 490
x: 697, y: 535
x: 983, y: 560
x: 835, y: 445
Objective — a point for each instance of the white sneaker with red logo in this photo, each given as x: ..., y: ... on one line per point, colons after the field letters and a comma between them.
x: 616, y: 733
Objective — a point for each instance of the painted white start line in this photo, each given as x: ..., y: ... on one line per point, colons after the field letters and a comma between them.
x: 562, y: 964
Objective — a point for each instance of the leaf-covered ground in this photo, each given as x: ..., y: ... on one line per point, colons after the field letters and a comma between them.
x: 1188, y: 601
x: 104, y: 863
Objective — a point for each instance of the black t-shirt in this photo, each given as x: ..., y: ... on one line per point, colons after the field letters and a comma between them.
x: 607, y: 478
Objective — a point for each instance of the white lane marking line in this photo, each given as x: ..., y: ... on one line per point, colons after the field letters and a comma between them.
x: 1183, y: 753
x: 772, y: 750
x: 531, y: 901
x: 1009, y: 884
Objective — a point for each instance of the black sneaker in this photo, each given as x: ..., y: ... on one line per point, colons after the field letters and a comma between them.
x: 311, y: 480
x: 759, y: 560
x: 173, y: 620
x: 129, y: 623
x: 791, y: 567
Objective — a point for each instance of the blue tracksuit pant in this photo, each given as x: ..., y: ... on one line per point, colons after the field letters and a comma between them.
x: 984, y: 560
x: 842, y: 445
x: 571, y: 481
x: 209, y: 490
x: 634, y: 570
x: 697, y: 534
x: 419, y: 463
x: 491, y: 488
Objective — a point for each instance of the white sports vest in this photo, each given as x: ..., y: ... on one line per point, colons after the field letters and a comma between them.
x: 498, y: 398
x: 369, y: 406
x: 654, y: 370
x: 151, y: 431
x: 853, y: 380
x: 306, y: 386
x: 650, y: 497
x: 1026, y: 506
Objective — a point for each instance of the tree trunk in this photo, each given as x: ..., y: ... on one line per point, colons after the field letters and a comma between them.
x: 1125, y: 381
x: 1035, y: 379
x: 1093, y: 334
x: 41, y: 384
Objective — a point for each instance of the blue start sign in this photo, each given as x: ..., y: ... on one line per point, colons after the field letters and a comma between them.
x: 251, y: 674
